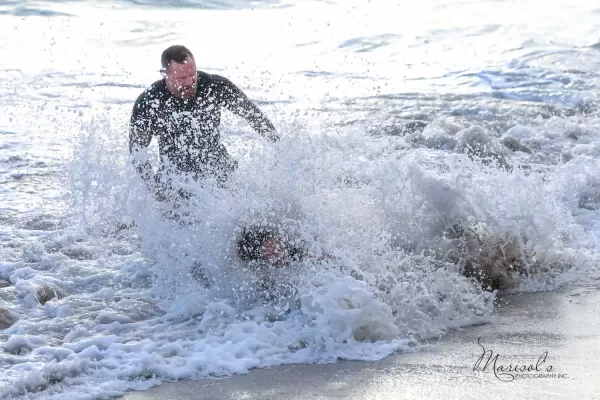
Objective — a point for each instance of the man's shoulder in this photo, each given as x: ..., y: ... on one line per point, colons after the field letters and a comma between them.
x: 204, y: 78
x: 155, y: 92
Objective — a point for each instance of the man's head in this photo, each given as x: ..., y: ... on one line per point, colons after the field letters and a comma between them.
x: 260, y: 244
x: 179, y: 70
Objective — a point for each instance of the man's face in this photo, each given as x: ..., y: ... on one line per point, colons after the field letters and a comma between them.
x: 181, y: 79
x: 274, y: 252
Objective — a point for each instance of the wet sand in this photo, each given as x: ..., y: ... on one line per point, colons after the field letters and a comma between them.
x: 564, y: 324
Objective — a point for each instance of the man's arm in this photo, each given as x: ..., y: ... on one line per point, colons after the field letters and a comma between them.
x: 238, y: 103
x: 140, y: 136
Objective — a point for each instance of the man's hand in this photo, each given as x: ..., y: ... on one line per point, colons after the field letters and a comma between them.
x: 160, y: 195
x: 273, y: 137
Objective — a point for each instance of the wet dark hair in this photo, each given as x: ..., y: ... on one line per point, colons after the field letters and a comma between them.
x: 249, y: 246
x: 175, y: 53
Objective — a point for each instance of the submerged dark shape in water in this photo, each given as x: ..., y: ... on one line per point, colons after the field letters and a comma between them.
x: 493, y: 274
x: 498, y: 261
x: 46, y: 293
x: 7, y: 318
x: 515, y: 145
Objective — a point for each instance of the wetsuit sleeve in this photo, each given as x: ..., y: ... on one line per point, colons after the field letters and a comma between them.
x: 238, y: 103
x: 140, y: 136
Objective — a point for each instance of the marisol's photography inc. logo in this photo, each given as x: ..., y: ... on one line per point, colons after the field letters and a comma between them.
x: 509, y: 371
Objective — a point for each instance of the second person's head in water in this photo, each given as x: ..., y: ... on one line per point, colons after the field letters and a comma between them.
x: 266, y: 245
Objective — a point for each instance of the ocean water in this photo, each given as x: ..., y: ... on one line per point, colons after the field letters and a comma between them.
x: 415, y: 138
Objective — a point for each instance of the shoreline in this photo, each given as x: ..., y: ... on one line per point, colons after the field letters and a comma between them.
x: 557, y: 333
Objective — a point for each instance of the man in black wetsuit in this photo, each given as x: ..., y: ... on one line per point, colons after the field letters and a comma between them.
x: 184, y: 110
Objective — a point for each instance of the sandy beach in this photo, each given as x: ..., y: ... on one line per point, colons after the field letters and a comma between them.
x: 563, y: 326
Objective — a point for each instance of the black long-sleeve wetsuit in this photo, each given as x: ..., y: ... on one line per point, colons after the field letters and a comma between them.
x: 187, y: 130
